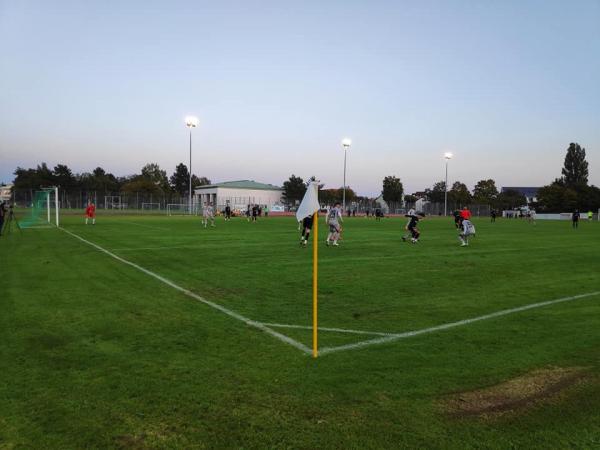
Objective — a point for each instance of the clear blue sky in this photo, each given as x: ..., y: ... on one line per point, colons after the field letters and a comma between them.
x: 276, y: 84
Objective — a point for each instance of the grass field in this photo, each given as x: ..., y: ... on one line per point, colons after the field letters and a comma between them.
x: 96, y: 353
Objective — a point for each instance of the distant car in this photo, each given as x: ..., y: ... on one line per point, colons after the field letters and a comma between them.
x: 277, y: 208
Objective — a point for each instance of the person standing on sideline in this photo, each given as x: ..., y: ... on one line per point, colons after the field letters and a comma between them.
x: 590, y: 215
x: 493, y: 215
x: 90, y: 212
x: 266, y: 209
x: 255, y: 213
x: 334, y: 220
x: 2, y: 215
x: 575, y: 219
x: 227, y: 212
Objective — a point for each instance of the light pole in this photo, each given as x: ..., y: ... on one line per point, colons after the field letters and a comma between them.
x: 447, y: 157
x: 346, y: 143
x: 191, y: 122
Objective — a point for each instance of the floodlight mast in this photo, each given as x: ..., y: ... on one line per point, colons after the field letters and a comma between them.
x: 346, y: 144
x: 191, y: 122
x: 447, y: 157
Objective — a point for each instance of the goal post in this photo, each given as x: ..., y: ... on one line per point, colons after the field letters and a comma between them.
x: 45, y: 209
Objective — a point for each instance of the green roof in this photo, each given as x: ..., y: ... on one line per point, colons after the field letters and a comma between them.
x: 242, y: 184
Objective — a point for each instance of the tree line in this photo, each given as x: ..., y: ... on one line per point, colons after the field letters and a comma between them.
x: 567, y: 193
x: 151, y: 180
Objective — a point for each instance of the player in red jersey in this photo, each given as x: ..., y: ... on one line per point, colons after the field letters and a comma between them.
x: 465, y: 214
x: 90, y: 213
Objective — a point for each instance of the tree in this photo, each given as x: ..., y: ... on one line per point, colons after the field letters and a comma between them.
x: 294, y: 189
x: 63, y: 176
x: 153, y: 173
x: 557, y: 197
x: 410, y: 201
x: 575, y: 170
x: 199, y: 181
x: 485, y: 191
x: 25, y: 178
x: 180, y: 179
x: 392, y: 191
x: 437, y: 193
x: 510, y: 199
x: 142, y: 185
x: 459, y: 194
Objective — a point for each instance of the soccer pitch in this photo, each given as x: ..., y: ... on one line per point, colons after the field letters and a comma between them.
x: 148, y: 331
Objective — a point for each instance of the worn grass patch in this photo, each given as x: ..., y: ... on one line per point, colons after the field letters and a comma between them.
x: 515, y: 394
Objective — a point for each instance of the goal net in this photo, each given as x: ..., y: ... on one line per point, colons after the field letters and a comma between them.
x: 181, y: 209
x: 44, y: 210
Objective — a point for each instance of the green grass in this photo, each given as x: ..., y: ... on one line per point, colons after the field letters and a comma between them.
x: 96, y: 354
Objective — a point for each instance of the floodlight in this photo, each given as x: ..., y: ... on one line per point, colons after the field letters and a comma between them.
x: 346, y: 142
x: 448, y: 155
x: 191, y: 121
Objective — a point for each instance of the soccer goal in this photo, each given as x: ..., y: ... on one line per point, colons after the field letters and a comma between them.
x: 150, y: 206
x: 181, y: 209
x: 45, y: 210
x: 113, y: 202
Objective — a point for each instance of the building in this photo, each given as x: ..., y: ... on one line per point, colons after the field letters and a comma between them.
x: 240, y: 194
x: 530, y: 193
x: 5, y: 193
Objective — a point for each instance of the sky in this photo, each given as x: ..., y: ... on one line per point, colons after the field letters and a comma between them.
x: 505, y: 86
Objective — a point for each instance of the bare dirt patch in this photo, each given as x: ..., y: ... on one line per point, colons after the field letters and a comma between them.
x: 515, y: 394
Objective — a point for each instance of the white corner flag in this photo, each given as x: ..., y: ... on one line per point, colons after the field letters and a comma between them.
x: 310, y: 207
x: 310, y: 203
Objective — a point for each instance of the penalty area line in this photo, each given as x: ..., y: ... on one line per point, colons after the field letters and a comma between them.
x: 504, y: 312
x: 282, y: 337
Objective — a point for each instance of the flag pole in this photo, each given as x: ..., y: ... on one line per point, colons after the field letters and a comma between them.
x: 315, y: 279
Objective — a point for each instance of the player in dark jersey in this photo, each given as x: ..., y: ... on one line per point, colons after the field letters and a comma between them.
x: 457, y: 218
x: 412, y: 228
x: 307, y: 224
x: 575, y: 219
x: 227, y: 212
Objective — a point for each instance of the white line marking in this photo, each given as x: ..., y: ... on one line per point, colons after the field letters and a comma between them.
x: 337, y: 330
x: 252, y: 323
x: 407, y: 334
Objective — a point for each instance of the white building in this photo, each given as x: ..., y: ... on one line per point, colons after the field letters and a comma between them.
x: 5, y: 194
x: 239, y: 194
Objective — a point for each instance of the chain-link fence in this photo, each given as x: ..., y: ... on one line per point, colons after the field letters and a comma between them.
x: 114, y: 201
x: 437, y: 209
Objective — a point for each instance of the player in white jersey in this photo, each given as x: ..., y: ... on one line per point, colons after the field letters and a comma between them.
x: 467, y: 229
x: 208, y: 214
x: 334, y: 220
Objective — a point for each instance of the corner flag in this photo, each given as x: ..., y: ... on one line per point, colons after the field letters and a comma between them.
x: 310, y: 203
x: 309, y: 206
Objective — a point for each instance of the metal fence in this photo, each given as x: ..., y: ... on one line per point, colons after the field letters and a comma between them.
x: 117, y: 201
x: 437, y: 209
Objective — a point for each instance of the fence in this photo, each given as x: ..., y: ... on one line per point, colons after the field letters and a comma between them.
x: 78, y: 199
x: 437, y: 209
